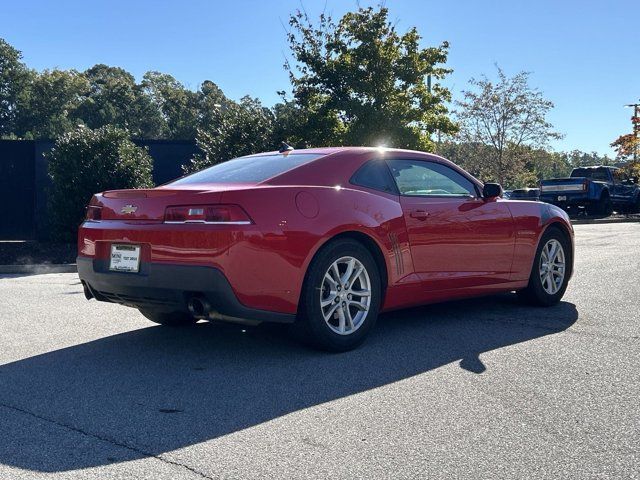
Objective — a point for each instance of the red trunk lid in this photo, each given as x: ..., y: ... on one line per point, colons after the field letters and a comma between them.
x: 150, y: 204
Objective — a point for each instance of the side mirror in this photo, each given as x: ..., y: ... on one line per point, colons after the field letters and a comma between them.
x: 491, y: 190
x: 634, y: 179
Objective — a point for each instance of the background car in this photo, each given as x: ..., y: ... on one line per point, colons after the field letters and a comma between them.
x: 600, y: 190
x: 532, y: 194
x: 324, y: 239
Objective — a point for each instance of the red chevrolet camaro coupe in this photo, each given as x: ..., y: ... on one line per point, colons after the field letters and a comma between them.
x: 323, y: 238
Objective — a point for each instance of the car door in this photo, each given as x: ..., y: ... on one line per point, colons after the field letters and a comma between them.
x: 623, y: 187
x: 457, y: 239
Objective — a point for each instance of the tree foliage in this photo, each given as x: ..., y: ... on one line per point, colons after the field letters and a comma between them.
x: 628, y: 145
x: 506, y: 118
x: 85, y: 161
x: 360, y: 82
x: 178, y: 105
x: 536, y: 163
x: 49, y: 104
x: 236, y: 129
x: 14, y: 77
x: 114, y: 98
x: 627, y: 148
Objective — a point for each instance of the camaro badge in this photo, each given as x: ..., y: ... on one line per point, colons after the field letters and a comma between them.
x: 128, y: 209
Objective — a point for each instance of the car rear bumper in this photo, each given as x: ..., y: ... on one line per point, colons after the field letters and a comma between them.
x: 570, y: 201
x: 168, y: 287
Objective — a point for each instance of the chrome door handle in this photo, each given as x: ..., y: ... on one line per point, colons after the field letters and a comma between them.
x: 419, y: 214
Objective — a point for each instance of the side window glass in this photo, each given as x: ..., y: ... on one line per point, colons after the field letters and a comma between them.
x: 374, y: 174
x: 600, y: 174
x: 429, y: 179
x: 619, y: 175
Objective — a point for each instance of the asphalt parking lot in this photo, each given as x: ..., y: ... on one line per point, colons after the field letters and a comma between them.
x: 474, y: 389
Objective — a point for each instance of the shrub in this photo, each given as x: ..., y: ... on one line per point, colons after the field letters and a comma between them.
x: 87, y: 161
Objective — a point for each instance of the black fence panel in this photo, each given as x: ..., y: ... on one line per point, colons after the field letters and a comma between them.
x: 43, y: 182
x: 17, y: 189
x: 168, y: 157
x: 24, y: 181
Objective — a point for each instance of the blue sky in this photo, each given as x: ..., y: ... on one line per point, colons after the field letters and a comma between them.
x: 584, y: 55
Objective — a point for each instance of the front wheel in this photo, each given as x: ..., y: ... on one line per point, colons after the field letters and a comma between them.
x: 172, y: 319
x: 341, y: 297
x: 551, y: 269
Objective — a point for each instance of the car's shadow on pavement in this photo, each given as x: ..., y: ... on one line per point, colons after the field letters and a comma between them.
x: 156, y: 390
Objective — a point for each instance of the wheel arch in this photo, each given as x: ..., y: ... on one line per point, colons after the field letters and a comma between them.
x: 368, y: 242
x: 564, y: 229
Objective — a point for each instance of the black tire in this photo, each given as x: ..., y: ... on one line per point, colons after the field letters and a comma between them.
x: 604, y: 206
x: 169, y: 319
x: 535, y: 292
x: 310, y: 326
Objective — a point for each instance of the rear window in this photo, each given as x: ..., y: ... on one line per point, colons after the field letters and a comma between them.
x: 254, y: 169
x: 593, y: 173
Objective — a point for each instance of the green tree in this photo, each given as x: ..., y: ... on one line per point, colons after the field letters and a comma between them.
x: 236, y: 129
x: 49, y: 107
x: 179, y: 106
x: 114, y: 98
x: 14, y: 79
x: 578, y: 158
x: 504, y: 117
x: 540, y: 163
x: 211, y: 100
x: 360, y: 82
x: 304, y: 127
x: 627, y: 147
x: 86, y: 161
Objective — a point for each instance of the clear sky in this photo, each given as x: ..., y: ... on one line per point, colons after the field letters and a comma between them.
x: 584, y: 54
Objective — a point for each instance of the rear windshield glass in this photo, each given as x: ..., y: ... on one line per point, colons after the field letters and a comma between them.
x: 253, y: 169
x: 594, y: 173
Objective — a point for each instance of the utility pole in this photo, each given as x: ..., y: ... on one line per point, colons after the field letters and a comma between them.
x: 437, y: 131
x: 636, y: 127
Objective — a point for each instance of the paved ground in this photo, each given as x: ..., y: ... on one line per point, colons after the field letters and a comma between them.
x: 475, y: 389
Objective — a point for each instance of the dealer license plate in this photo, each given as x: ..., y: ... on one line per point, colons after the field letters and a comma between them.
x: 562, y: 198
x: 125, y: 258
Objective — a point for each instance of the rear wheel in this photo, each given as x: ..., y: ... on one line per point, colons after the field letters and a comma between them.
x: 169, y: 319
x: 341, y: 297
x: 551, y: 270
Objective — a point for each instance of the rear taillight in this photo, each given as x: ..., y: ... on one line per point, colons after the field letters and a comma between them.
x: 93, y: 213
x: 212, y: 214
x: 585, y: 186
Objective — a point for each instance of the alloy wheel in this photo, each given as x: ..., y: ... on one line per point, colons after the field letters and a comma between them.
x: 345, y: 295
x: 552, y: 266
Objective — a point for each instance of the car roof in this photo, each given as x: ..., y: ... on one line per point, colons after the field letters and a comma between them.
x: 331, y: 150
x: 593, y: 167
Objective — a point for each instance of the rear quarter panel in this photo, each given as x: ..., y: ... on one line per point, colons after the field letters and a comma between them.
x: 268, y: 263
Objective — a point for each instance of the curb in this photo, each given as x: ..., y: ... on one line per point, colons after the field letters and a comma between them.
x: 40, y: 269
x: 590, y: 221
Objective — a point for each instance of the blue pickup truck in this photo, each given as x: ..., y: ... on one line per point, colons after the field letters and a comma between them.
x: 600, y: 190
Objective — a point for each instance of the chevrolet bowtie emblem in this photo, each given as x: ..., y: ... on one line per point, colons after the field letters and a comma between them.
x: 128, y: 209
